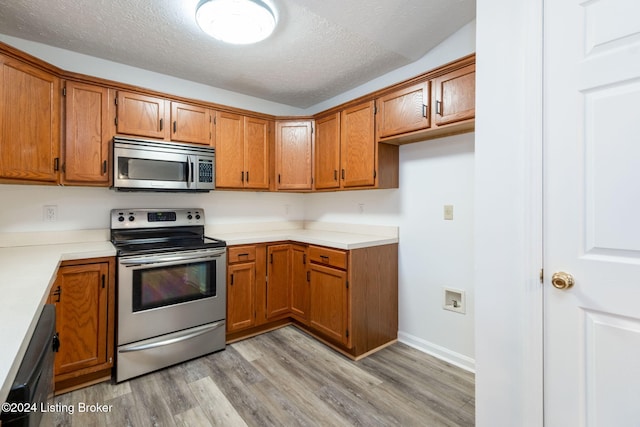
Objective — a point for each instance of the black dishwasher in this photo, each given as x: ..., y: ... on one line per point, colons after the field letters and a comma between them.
x: 33, y: 385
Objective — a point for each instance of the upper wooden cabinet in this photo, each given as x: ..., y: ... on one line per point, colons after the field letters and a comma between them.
x: 155, y: 117
x: 191, y: 123
x: 442, y: 104
x: 294, y: 142
x: 89, y: 128
x: 242, y: 152
x: 405, y: 110
x: 142, y: 115
x: 29, y: 122
x: 358, y: 146
x: 327, y: 152
x: 454, y: 96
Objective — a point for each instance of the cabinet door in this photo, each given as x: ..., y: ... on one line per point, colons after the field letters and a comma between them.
x: 29, y: 122
x: 241, y: 296
x: 358, y: 146
x: 293, y: 155
x: 327, y: 152
x: 142, y: 115
x: 80, y: 295
x: 455, y: 96
x: 88, y: 132
x: 299, y: 283
x: 229, y: 150
x: 328, y: 307
x: 278, y: 280
x: 256, y: 153
x: 406, y: 110
x: 190, y: 123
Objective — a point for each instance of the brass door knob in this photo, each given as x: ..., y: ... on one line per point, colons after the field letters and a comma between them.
x: 562, y: 280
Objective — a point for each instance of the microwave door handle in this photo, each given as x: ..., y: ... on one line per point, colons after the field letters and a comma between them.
x: 189, y: 171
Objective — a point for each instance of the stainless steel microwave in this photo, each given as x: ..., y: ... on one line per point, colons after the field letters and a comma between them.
x: 142, y: 165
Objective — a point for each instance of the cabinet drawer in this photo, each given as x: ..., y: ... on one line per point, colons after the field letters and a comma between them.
x: 241, y: 254
x: 326, y: 256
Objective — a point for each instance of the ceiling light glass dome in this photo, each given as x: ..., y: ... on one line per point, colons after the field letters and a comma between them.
x: 236, y: 21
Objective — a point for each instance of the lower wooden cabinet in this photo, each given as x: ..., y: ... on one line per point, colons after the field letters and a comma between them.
x: 83, y: 295
x: 346, y: 298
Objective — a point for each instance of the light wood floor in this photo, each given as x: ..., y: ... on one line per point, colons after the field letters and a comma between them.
x: 285, y: 378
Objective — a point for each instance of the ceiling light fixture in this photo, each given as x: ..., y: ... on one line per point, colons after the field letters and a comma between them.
x: 236, y: 21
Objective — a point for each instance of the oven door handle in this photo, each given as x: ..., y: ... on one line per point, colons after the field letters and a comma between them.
x: 183, y: 337
x: 165, y: 259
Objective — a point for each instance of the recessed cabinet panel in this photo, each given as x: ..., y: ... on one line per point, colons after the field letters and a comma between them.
x: 29, y: 122
x: 241, y: 296
x: 406, y: 110
x: 327, y: 152
x: 256, y: 153
x: 358, y: 146
x: 293, y: 155
x: 279, y: 280
x: 190, y: 123
x: 88, y: 132
x: 300, y: 283
x: 455, y: 96
x: 229, y: 150
x: 329, y: 298
x: 142, y: 115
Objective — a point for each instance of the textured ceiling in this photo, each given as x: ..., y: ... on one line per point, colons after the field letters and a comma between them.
x: 319, y: 49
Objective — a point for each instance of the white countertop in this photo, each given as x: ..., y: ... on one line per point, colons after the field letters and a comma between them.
x: 28, y: 268
x: 26, y: 276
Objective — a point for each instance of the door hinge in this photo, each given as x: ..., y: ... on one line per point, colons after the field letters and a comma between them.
x: 375, y: 109
x: 116, y: 121
x: 347, y: 333
x: 347, y: 284
x: 115, y: 100
x: 312, y: 129
x: 64, y: 91
x: 56, y: 164
x: 541, y: 275
x: 308, y: 276
x: 374, y: 174
x: 214, y: 120
x: 64, y: 167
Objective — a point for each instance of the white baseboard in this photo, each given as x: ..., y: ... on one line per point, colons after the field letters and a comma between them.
x: 457, y: 359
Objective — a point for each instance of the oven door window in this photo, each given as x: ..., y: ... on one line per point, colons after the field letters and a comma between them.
x: 168, y: 285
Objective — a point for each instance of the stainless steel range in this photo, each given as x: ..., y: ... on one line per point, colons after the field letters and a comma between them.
x: 171, y: 289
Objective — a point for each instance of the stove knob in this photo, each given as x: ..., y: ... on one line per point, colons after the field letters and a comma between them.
x: 132, y: 218
x: 197, y: 216
x: 120, y: 218
x: 189, y: 217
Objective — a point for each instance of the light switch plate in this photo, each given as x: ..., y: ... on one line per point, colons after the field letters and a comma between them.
x: 448, y: 212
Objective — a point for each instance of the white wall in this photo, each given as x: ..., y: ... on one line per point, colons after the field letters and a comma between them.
x: 508, y: 237
x: 85, y: 208
x: 433, y: 253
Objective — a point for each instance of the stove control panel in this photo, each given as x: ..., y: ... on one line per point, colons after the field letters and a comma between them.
x: 154, y: 218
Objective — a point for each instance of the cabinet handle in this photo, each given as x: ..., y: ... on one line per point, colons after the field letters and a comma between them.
x: 104, y: 167
x: 247, y: 176
x: 335, y: 174
x: 324, y: 258
x: 55, y: 342
x: 58, y: 293
x: 304, y: 258
x: 103, y: 280
x: 343, y: 174
x: 160, y: 124
x: 424, y: 110
x: 271, y: 258
x: 242, y: 176
x: 243, y: 255
x: 175, y: 126
x: 278, y: 178
x: 56, y: 164
x: 439, y: 107
x: 308, y: 276
x: 231, y: 280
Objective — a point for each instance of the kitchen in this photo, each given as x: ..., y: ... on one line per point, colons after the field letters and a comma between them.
x: 80, y: 208
x: 503, y: 340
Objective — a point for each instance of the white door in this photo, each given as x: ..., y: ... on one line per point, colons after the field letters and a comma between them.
x: 592, y: 212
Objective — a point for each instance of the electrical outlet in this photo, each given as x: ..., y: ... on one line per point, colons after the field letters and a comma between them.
x: 50, y: 213
x: 448, y: 212
x: 361, y: 207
